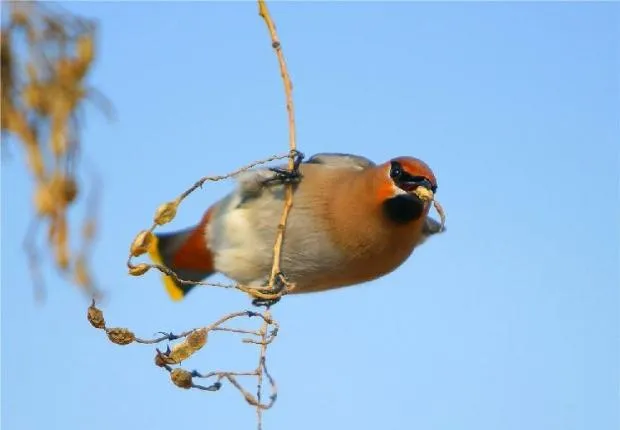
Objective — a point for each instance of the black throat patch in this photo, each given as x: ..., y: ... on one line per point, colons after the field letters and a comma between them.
x: 403, y: 208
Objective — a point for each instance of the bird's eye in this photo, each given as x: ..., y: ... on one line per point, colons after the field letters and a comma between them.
x: 396, y: 171
x: 406, y: 181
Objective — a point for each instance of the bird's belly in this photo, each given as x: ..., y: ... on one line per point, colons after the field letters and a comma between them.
x: 245, y: 254
x: 357, y: 269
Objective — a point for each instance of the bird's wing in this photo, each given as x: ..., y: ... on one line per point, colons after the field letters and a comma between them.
x: 252, y: 182
x: 336, y: 159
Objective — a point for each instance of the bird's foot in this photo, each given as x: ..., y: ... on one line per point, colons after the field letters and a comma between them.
x: 286, y: 176
x: 279, y: 289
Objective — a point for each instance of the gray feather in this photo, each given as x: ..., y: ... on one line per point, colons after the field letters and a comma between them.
x: 337, y: 159
x: 431, y: 227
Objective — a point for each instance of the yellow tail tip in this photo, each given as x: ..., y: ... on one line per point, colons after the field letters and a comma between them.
x: 174, y: 291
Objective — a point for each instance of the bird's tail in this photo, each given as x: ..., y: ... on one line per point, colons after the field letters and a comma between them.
x: 186, y: 253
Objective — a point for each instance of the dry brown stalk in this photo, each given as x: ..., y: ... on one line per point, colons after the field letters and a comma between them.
x: 43, y: 88
x: 192, y: 341
x: 263, y: 11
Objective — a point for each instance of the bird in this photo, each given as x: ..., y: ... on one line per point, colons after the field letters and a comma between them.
x: 352, y: 221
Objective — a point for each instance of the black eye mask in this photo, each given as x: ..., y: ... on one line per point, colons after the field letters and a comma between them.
x: 407, y: 182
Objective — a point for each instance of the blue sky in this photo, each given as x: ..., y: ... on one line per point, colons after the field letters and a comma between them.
x: 508, y: 321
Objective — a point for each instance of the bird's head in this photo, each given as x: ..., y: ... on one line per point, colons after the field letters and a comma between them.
x: 408, y: 190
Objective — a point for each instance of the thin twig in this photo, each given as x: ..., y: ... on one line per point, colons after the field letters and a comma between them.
x: 213, y: 326
x: 277, y: 248
x: 201, y: 182
x: 263, y: 11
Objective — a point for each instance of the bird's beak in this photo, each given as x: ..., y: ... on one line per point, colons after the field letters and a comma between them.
x: 422, y: 189
x: 411, y: 186
x: 426, y: 184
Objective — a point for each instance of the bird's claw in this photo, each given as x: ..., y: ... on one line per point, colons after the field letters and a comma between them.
x: 279, y: 285
x: 286, y: 176
x: 266, y: 303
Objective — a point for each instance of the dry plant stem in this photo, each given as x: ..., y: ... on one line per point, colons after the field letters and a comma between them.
x: 288, y: 89
x: 201, y: 182
x: 213, y: 326
x: 183, y: 378
x: 259, y: 372
x: 441, y: 213
x: 236, y: 330
x: 277, y: 248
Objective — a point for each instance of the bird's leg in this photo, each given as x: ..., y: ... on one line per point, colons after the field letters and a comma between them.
x: 279, y: 286
x: 286, y: 176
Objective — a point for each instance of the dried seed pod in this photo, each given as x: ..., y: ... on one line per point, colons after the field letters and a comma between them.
x: 162, y: 359
x: 185, y: 349
x: 120, y: 336
x: 181, y: 378
x: 44, y: 200
x: 34, y: 97
x: 424, y: 194
x: 139, y: 269
x: 65, y: 70
x: 166, y: 212
x: 197, y: 339
x: 179, y: 352
x: 56, y: 184
x: 69, y: 189
x: 141, y: 243
x: 95, y: 317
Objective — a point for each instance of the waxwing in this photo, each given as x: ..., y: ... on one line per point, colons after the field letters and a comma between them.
x: 352, y: 221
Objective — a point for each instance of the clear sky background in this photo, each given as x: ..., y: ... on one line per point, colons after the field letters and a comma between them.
x: 508, y: 321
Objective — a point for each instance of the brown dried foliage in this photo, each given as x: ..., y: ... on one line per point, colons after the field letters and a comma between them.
x: 191, y: 341
x: 43, y: 88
